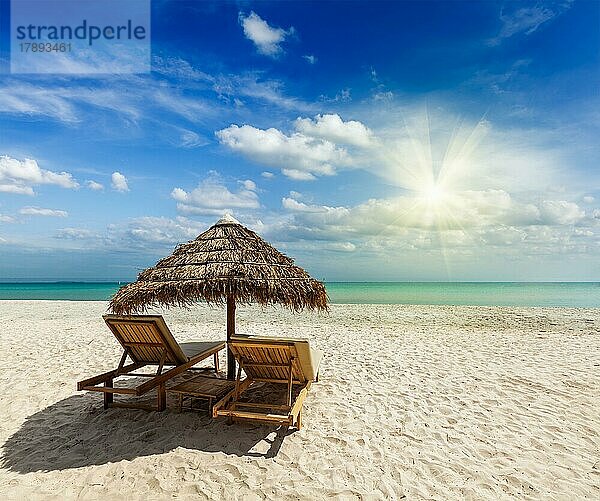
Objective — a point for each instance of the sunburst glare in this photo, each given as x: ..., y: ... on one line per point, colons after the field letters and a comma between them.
x: 432, y: 164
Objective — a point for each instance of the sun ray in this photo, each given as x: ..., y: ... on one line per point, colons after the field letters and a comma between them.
x: 457, y: 158
x: 430, y: 203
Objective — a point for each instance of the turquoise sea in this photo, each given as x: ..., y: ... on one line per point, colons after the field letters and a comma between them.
x: 575, y: 294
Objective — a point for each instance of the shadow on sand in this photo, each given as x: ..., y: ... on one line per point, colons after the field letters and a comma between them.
x: 77, y: 432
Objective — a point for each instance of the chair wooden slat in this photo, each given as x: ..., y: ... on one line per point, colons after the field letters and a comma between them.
x: 273, y: 361
x: 147, y: 341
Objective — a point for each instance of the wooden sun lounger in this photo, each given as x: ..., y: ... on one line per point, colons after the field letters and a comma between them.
x: 146, y: 340
x: 291, y: 362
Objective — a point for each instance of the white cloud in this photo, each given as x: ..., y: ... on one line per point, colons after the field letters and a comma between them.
x: 212, y: 197
x: 464, y: 186
x: 74, y: 104
x: 343, y: 95
x: 144, y: 231
x: 295, y: 206
x: 75, y: 234
x: 341, y: 246
x: 153, y: 100
x: 484, y: 223
x: 64, y: 103
x: 17, y: 189
x: 6, y: 219
x: 190, y: 139
x: 588, y: 199
x: 298, y: 175
x: 148, y: 233
x: 25, y: 99
x: 334, y: 129
x: 490, y: 217
x: 192, y: 109
x: 248, y: 185
x: 95, y: 186
x: 503, y: 235
x: 561, y: 212
x: 383, y: 96
x: 108, y: 59
x: 266, y: 38
x: 304, y: 155
x: 179, y: 68
x: 527, y: 20
x: 230, y: 88
x: 310, y: 59
x: 119, y: 182
x: 267, y: 175
x: 298, y: 156
x: 37, y: 211
x: 19, y: 176
x: 583, y: 232
x: 112, y: 99
x: 432, y: 147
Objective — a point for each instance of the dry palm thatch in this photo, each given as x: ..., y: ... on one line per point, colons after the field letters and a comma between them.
x: 228, y: 262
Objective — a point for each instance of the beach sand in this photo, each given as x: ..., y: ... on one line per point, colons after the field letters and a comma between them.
x: 421, y: 402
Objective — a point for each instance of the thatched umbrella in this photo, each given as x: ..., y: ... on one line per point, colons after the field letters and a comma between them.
x: 227, y: 264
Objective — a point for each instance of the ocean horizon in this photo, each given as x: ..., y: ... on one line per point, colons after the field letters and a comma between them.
x: 529, y: 294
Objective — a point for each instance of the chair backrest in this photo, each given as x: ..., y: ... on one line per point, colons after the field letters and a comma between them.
x: 146, y: 338
x: 269, y: 357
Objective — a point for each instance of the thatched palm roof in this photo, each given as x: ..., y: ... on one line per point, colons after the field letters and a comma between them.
x: 227, y: 260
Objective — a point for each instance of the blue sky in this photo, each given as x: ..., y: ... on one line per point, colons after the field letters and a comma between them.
x: 369, y: 140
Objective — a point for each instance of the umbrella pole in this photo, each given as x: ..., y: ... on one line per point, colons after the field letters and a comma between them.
x: 230, y: 332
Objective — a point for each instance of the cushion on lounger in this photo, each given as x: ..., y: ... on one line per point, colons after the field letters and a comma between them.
x: 309, y: 358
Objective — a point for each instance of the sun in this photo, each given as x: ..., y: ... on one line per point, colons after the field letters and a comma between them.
x: 434, y: 194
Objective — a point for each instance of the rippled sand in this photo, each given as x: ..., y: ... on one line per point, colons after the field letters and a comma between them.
x: 425, y: 402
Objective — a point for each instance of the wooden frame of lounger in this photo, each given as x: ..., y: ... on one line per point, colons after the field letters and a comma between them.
x: 146, y: 340
x: 272, y: 361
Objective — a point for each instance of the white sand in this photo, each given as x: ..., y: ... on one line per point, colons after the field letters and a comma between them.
x: 415, y: 401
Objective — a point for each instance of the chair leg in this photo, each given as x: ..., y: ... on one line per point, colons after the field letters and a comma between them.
x: 299, y: 420
x: 216, y: 357
x: 290, y: 383
x: 161, y: 398
x: 108, y: 397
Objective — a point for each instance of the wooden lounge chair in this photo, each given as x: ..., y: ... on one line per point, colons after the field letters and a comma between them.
x: 146, y: 340
x: 291, y: 362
